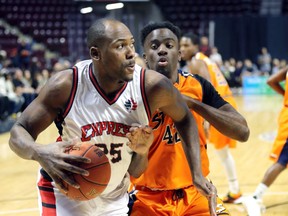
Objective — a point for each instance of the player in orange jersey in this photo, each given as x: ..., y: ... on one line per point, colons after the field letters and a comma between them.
x: 166, y: 187
x: 279, y: 153
x: 198, y: 63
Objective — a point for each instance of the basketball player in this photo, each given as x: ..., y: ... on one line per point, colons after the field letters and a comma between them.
x: 198, y: 63
x: 99, y: 100
x: 166, y: 186
x: 279, y: 153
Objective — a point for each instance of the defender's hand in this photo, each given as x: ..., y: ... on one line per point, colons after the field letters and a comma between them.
x: 140, y: 139
x: 207, y: 189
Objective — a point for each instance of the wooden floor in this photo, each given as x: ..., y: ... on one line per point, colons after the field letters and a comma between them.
x: 18, y: 194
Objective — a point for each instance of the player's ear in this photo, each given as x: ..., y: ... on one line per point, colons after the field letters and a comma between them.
x: 95, y: 53
x: 145, y: 59
x: 179, y: 56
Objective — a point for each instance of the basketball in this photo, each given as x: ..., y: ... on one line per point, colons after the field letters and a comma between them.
x: 99, y: 172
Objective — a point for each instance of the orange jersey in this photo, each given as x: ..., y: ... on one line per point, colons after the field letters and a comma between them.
x: 168, y: 168
x: 220, y: 84
x: 281, y: 137
x: 286, y: 91
x: 217, y: 79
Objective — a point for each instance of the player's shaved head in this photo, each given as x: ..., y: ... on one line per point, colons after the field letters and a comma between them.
x: 97, y: 34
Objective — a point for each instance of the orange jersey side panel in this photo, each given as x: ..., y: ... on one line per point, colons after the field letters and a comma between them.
x: 168, y: 168
x: 217, y: 78
x: 220, y: 84
x: 286, y: 91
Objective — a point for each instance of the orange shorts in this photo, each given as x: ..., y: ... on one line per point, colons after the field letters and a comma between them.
x: 219, y: 140
x: 187, y: 201
x: 216, y: 138
x: 282, y: 136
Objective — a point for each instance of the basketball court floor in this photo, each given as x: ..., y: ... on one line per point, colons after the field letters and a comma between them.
x: 18, y: 195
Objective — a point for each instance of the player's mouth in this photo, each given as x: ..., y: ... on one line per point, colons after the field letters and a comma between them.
x: 163, y: 62
x: 131, y: 66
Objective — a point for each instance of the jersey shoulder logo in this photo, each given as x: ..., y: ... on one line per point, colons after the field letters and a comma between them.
x: 130, y: 105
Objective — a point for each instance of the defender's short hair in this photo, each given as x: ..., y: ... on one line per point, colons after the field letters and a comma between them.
x: 158, y: 25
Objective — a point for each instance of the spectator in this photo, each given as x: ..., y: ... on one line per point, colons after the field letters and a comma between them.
x: 236, y: 80
x: 28, y: 79
x: 22, y: 88
x: 204, y: 46
x: 275, y: 66
x: 225, y: 69
x: 41, y: 79
x: 3, y: 55
x: 264, y: 61
x: 16, y: 100
x: 24, y: 52
x: 283, y: 63
x: 61, y: 65
x: 4, y: 104
x: 12, y: 102
x: 216, y: 56
x: 14, y: 58
x: 249, y: 68
x: 35, y: 66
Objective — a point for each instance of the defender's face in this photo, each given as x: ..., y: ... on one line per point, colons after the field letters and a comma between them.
x: 161, y: 51
x: 118, y: 54
x: 188, y: 49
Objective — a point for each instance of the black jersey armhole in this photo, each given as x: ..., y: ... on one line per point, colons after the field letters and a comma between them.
x: 143, y: 93
x: 72, y: 93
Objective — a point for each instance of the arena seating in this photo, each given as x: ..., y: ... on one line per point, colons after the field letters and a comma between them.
x: 61, y: 28
x: 7, y: 40
x: 47, y: 22
x: 194, y: 15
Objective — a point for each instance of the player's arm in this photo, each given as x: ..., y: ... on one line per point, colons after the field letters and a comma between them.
x: 35, y: 119
x: 162, y: 95
x: 225, y: 119
x: 199, y: 67
x: 219, y: 113
x: 140, y: 139
x: 275, y: 79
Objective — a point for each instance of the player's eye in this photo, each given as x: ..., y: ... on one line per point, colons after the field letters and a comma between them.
x: 120, y: 46
x: 169, y: 45
x: 154, y: 46
x: 132, y: 45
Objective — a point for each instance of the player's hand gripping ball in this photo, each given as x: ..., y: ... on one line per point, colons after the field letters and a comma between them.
x: 99, y: 172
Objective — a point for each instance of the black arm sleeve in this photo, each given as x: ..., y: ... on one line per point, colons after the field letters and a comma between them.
x: 210, y: 96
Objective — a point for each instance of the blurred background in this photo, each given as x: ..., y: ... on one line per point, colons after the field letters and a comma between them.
x: 57, y: 28
x: 248, y: 39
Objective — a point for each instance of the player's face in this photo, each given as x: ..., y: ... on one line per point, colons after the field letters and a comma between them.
x: 161, y: 52
x: 188, y: 49
x: 118, y: 54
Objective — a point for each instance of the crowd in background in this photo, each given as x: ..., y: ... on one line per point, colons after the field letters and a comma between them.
x: 234, y: 70
x: 22, y: 76
x: 21, y: 79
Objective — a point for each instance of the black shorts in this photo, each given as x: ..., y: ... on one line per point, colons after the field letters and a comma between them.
x: 283, y: 158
